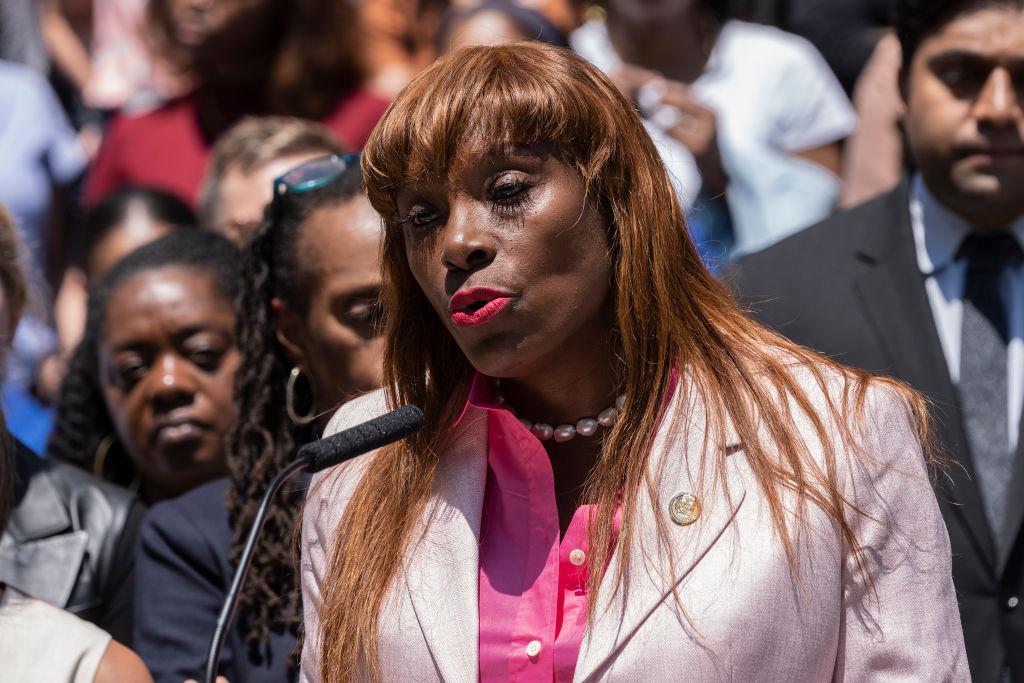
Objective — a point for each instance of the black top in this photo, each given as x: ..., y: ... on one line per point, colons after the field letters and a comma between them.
x: 182, y: 576
x: 70, y: 542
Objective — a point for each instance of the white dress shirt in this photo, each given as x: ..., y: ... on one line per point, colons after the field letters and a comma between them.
x: 938, y: 234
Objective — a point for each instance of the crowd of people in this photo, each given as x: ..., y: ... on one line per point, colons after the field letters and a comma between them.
x: 714, y: 309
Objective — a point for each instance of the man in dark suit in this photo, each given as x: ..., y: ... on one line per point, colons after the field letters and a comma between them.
x: 926, y: 284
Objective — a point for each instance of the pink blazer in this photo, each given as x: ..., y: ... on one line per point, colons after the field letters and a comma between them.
x: 745, y: 616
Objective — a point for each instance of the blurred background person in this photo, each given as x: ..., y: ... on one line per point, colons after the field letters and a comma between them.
x: 309, y: 342
x: 147, y: 400
x: 245, y: 161
x: 494, y: 22
x: 40, y: 160
x: 125, y: 221
x: 39, y: 642
x: 749, y: 119
x: 926, y: 283
x: 242, y: 57
x: 70, y: 538
x: 401, y: 35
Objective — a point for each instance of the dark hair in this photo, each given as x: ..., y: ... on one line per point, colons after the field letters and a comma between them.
x: 112, y: 211
x: 313, y: 49
x: 916, y: 19
x: 263, y: 439
x: 531, y: 23
x: 82, y: 421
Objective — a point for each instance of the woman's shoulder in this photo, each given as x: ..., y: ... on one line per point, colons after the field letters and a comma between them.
x: 330, y: 489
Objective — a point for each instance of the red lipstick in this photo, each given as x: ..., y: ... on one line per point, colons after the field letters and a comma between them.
x: 476, y: 306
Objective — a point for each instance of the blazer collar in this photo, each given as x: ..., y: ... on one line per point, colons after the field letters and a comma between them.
x: 442, y: 573
x: 40, y: 510
x: 645, y: 586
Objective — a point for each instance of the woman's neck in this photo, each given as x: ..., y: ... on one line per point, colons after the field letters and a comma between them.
x: 677, y: 48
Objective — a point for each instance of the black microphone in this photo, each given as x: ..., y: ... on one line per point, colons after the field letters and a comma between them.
x: 313, y: 457
x: 362, y: 438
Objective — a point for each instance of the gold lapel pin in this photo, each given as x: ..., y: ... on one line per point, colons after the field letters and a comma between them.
x: 684, y: 508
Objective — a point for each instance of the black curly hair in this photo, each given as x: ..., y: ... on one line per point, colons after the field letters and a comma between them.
x: 264, y: 438
x: 82, y: 421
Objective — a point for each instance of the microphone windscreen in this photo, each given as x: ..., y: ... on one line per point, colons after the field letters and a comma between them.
x: 365, y: 437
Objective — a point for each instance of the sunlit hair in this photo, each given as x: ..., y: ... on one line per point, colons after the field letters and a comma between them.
x: 257, y: 141
x: 670, y: 313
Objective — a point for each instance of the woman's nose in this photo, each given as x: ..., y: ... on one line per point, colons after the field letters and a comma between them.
x: 173, y: 384
x: 467, y: 243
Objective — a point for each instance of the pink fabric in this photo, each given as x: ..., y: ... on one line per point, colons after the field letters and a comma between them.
x: 529, y: 588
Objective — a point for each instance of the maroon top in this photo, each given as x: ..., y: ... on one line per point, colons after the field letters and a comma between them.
x: 167, y: 149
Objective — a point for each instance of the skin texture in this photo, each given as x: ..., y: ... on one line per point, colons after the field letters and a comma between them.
x: 242, y: 195
x: 964, y: 123
x: 121, y: 665
x: 167, y: 354
x: 517, y: 219
x: 137, y: 229
x: 335, y: 340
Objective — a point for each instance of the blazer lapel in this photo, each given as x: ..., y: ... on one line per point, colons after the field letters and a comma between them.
x: 892, y: 292
x: 675, y: 460
x: 40, y: 552
x: 1014, y: 506
x: 442, y: 575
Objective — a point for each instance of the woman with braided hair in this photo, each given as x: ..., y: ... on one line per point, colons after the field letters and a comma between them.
x: 308, y: 337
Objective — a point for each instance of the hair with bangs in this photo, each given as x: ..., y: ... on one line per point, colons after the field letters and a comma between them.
x: 670, y: 313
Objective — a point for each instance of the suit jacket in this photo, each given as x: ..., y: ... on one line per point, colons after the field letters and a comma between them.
x: 850, y: 287
x: 181, y: 578
x: 70, y: 542
x: 744, y: 615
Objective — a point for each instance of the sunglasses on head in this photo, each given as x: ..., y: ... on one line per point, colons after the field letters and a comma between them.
x: 313, y: 174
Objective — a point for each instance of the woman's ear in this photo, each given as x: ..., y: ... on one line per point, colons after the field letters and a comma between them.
x: 290, y: 331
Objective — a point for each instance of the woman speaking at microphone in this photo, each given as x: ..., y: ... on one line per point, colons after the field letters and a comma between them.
x: 621, y: 477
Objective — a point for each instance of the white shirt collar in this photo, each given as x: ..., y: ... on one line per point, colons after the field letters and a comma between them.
x: 938, y: 232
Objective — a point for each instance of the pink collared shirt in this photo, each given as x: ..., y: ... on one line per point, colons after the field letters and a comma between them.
x: 532, y: 591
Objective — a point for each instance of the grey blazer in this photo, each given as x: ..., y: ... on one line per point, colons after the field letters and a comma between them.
x: 70, y: 541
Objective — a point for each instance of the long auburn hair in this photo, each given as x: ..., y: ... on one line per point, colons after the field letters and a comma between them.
x: 669, y: 311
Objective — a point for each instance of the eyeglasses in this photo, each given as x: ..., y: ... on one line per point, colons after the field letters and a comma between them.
x: 313, y: 174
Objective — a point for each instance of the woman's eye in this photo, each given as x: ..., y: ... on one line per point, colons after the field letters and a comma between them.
x: 206, y: 359
x: 510, y: 193
x: 365, y: 311
x: 129, y: 373
x: 420, y: 217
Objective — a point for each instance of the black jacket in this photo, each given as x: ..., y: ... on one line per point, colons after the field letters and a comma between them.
x: 70, y: 541
x: 850, y: 287
x: 182, y: 577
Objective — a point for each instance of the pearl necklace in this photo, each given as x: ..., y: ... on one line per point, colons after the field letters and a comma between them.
x: 565, y: 432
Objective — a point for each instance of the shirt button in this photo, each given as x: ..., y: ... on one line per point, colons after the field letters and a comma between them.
x: 577, y: 557
x: 1012, y: 602
x: 533, y: 648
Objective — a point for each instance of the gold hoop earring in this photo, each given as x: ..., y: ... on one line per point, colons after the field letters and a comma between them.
x: 289, y: 398
x: 99, y: 458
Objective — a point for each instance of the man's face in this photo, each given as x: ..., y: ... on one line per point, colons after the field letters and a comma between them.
x: 964, y: 121
x: 242, y: 195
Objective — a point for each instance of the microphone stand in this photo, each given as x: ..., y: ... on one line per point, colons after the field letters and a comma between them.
x: 227, y: 610
x: 316, y: 456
